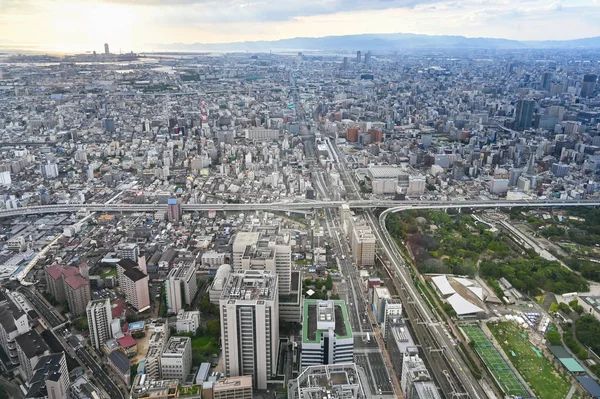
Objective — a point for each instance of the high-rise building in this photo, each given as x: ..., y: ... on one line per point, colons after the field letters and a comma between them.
x: 358, y: 56
x: 134, y: 284
x: 416, y: 382
x: 253, y: 252
x: 67, y: 284
x: 326, y: 333
x: 30, y: 348
x: 546, y: 81
x: 99, y: 317
x: 13, y: 322
x: 174, y: 211
x: 176, y: 359
x: 129, y: 251
x: 332, y: 381
x: 106, y: 49
x: 181, y: 286
x: 589, y: 85
x: 368, y: 57
x: 49, y: 170
x: 380, y: 297
x: 391, y: 312
x: 524, y: 114
x: 363, y: 245
x: 78, y: 293
x: 250, y: 325
x: 50, y: 378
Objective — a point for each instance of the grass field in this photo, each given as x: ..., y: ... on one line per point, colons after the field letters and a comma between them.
x: 545, y: 381
x: 508, y: 381
x: 203, y: 347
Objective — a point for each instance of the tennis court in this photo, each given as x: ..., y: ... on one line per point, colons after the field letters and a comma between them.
x: 502, y: 372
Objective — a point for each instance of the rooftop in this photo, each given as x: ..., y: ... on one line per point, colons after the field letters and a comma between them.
x: 313, y: 313
x: 177, y: 346
x: 334, y: 381
x: 130, y: 269
x: 143, y: 387
x: 250, y: 285
x: 241, y: 382
x: 120, y: 360
x: 32, y: 344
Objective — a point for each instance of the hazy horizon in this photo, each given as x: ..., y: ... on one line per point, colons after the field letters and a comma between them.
x: 65, y: 25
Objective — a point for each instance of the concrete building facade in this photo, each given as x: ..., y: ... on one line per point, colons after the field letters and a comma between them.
x: 250, y: 325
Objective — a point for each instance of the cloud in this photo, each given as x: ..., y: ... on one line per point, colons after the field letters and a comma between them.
x: 214, y: 11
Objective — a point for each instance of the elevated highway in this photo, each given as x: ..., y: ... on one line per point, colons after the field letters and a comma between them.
x: 392, y: 206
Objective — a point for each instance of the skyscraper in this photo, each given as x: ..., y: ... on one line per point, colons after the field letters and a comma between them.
x: 250, y: 325
x: 589, y: 84
x: 99, y: 316
x: 358, y: 56
x: 546, y: 80
x: 524, y: 114
x: 181, y: 286
x: 106, y: 50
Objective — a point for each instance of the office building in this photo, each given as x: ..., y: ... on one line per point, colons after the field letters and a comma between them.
x: 560, y: 169
x: 332, y: 381
x: 187, y: 322
x: 391, y: 313
x: 326, y: 333
x: 106, y: 49
x: 174, y: 210
x: 416, y: 382
x: 546, y: 81
x: 363, y: 245
x: 380, y: 297
x: 589, y: 85
x: 218, y: 283
x: 13, y: 322
x: 134, y: 284
x: 228, y: 388
x: 50, y: 378
x: 262, y: 134
x: 524, y: 114
x: 176, y: 359
x: 358, y: 57
x: 253, y: 252
x: 181, y: 286
x: 250, y: 325
x: 290, y: 306
x: 30, y: 348
x: 99, y: 317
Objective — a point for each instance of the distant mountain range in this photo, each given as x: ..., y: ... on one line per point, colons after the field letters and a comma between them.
x: 381, y: 42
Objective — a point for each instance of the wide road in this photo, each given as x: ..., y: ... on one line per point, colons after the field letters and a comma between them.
x: 109, y: 386
x: 45, y: 311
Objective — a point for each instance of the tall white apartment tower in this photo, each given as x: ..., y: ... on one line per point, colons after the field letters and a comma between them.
x: 250, y: 325
x: 99, y: 316
x: 181, y: 286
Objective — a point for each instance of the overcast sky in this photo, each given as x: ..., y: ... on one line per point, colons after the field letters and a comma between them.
x: 134, y: 24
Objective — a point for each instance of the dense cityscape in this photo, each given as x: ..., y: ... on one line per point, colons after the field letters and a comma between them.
x: 419, y: 224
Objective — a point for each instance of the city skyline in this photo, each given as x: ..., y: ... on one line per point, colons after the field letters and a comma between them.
x: 65, y: 25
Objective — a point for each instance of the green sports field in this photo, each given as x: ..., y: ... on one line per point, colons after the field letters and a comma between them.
x: 544, y: 380
x: 507, y: 380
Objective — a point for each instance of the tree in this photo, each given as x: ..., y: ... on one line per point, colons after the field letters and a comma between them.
x: 553, y: 336
x: 213, y: 328
x: 329, y: 282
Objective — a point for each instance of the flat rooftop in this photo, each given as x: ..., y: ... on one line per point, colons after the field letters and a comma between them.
x: 310, y: 333
x: 250, y: 285
x: 176, y: 346
x: 328, y: 381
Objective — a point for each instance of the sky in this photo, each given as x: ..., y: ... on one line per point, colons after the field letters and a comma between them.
x: 137, y: 25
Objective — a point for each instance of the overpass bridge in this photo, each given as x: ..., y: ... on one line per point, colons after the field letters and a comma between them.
x: 302, y: 206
